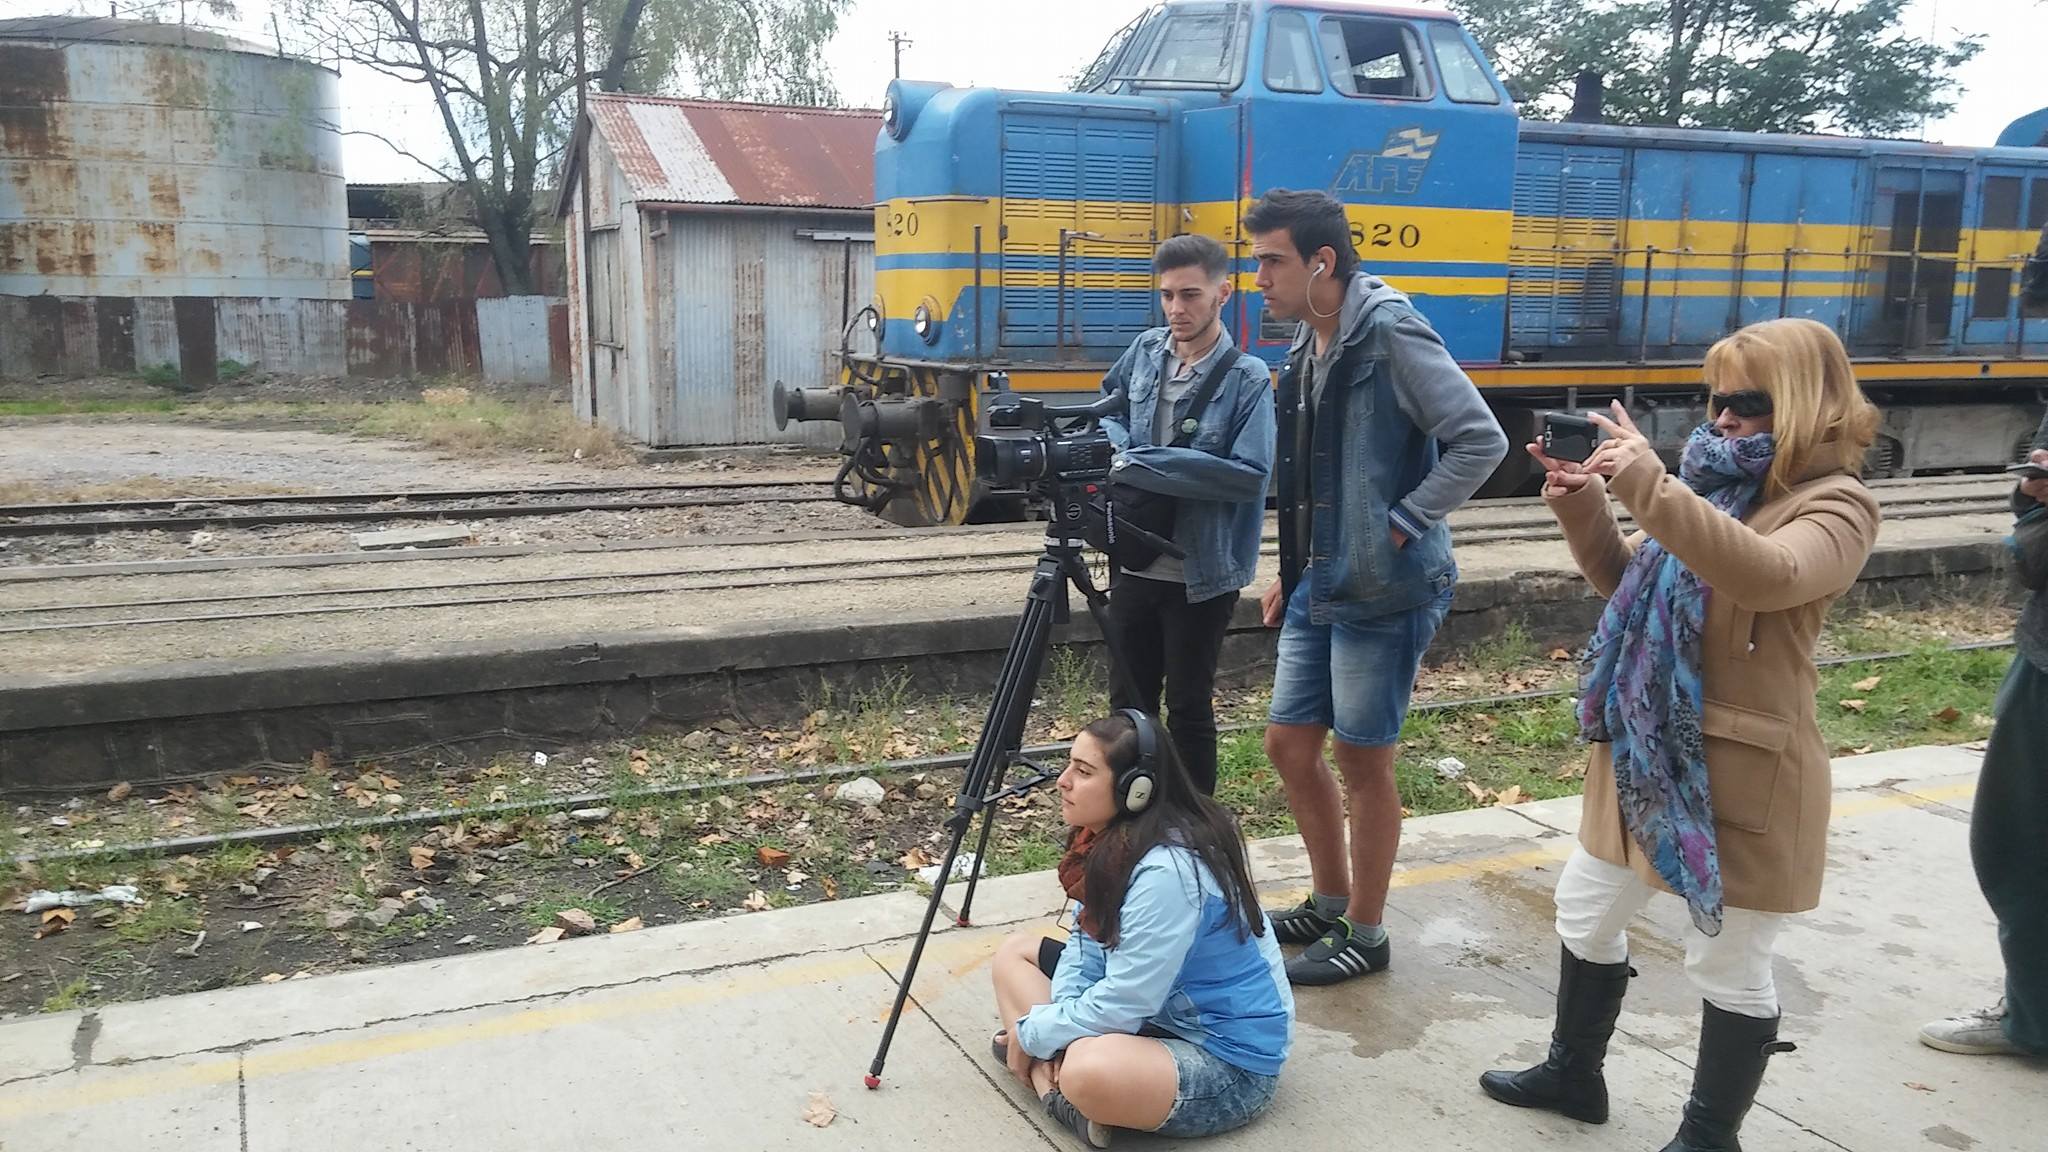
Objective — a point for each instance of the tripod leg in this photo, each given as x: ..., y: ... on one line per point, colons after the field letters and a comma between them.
x: 1016, y: 709
x: 1000, y: 739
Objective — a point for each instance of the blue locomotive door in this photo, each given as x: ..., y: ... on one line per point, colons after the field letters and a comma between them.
x: 1081, y: 194
x: 1909, y: 286
x: 2012, y: 208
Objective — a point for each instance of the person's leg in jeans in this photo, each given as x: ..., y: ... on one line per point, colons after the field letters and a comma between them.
x: 1595, y: 902
x: 2009, y: 848
x: 1137, y: 608
x: 1372, y: 674
x: 1298, y: 726
x: 1193, y: 643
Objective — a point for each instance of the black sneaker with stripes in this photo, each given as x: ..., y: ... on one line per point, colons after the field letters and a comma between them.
x: 1303, y: 925
x: 1339, y: 955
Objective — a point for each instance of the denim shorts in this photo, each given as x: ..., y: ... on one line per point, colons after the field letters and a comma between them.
x: 1213, y: 1096
x: 1353, y: 677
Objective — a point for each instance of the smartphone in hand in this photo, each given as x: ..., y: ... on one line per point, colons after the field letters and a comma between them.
x: 1569, y: 437
x: 2026, y: 470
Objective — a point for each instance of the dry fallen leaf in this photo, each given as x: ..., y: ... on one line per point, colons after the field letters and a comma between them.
x: 1865, y: 750
x: 54, y: 921
x: 1478, y: 793
x: 274, y: 978
x: 545, y: 936
x: 322, y: 763
x: 120, y: 792
x: 830, y: 886
x: 1948, y: 715
x: 819, y: 1112
x: 1867, y: 685
x: 1853, y: 705
x: 1514, y: 795
x: 1560, y: 655
x: 422, y: 858
x: 757, y: 902
x: 714, y: 838
x: 633, y: 925
x: 916, y: 858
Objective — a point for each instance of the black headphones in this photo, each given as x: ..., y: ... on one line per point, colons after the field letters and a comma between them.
x: 1135, y: 784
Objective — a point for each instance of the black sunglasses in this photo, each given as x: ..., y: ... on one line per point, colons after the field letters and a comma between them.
x: 1747, y: 404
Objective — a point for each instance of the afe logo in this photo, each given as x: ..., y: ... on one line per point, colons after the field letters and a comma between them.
x: 1396, y: 169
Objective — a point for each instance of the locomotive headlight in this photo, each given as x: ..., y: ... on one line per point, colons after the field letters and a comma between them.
x: 921, y: 322
x: 892, y: 116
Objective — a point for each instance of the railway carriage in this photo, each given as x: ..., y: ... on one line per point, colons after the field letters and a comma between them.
x: 1564, y: 264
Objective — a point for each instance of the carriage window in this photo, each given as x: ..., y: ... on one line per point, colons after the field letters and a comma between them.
x: 1291, y: 55
x: 1374, y: 58
x: 2037, y: 205
x: 1465, y: 78
x: 2002, y: 202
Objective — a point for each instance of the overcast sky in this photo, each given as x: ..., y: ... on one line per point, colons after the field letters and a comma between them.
x: 983, y: 42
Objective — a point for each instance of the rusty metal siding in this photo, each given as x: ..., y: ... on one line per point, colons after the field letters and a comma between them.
x: 380, y: 338
x: 151, y: 169
x: 512, y: 336
x: 707, y: 152
x: 756, y: 303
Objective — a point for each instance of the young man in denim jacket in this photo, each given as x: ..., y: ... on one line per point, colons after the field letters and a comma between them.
x: 1368, y: 395
x: 1170, y: 615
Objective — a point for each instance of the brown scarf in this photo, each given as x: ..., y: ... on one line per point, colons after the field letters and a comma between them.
x: 1074, y: 878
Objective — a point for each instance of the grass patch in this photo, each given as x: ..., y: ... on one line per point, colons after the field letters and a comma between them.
x: 158, y: 920
x: 711, y: 881
x: 233, y: 862
x: 452, y: 420
x: 1933, y: 697
x: 603, y: 909
x: 1504, y: 651
x: 70, y: 997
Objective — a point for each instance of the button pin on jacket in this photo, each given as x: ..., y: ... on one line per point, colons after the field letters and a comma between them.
x: 1188, y: 426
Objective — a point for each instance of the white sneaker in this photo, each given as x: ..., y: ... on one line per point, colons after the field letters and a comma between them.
x: 1980, y: 1033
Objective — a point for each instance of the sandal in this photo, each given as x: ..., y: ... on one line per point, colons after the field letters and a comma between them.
x: 1000, y: 1046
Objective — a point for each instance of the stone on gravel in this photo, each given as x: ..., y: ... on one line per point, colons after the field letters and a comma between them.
x: 698, y: 741
x: 381, y: 917
x: 591, y: 815
x: 433, y: 536
x: 428, y: 904
x: 505, y: 900
x: 575, y: 922
x: 339, y: 919
x: 864, y: 792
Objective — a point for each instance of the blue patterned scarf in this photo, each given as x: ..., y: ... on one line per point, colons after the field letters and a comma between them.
x: 1641, y: 688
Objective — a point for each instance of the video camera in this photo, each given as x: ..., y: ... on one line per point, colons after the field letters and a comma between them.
x: 1052, y: 455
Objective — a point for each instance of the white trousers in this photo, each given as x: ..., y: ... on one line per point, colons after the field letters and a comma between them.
x: 1596, y: 900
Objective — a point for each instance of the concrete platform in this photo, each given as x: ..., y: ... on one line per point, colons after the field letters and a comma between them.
x: 714, y: 1035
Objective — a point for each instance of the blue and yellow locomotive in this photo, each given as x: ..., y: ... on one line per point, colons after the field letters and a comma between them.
x: 1562, y: 263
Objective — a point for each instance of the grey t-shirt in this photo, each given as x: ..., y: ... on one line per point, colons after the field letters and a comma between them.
x: 1172, y: 391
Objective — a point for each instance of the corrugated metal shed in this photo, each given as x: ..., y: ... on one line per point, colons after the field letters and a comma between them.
x: 674, y: 152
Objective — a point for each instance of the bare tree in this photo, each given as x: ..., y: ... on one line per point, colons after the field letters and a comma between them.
x: 502, y: 77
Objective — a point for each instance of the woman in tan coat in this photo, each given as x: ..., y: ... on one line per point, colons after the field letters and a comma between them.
x: 1709, y: 776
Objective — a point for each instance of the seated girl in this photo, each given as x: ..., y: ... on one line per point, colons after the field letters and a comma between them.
x: 1168, y: 1008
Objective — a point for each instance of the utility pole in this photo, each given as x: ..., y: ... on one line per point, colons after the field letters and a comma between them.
x: 900, y: 42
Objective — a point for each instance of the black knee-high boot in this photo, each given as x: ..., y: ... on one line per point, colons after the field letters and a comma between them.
x: 1725, y: 1079
x: 1570, y: 1080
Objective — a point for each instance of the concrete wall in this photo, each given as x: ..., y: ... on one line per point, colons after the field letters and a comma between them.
x: 512, y: 339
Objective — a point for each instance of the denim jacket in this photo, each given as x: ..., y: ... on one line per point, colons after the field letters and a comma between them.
x: 1219, y: 479
x: 1181, y: 966
x: 1393, y: 394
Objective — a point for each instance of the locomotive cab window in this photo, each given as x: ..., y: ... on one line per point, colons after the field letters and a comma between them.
x: 1377, y: 59
x: 1291, y: 55
x: 2001, y: 213
x: 1465, y: 78
x: 1192, y: 45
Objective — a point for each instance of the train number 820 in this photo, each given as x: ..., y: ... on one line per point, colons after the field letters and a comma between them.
x: 1386, y: 236
x: 897, y: 223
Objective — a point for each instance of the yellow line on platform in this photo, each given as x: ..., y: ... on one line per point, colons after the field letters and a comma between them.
x: 43, y: 1096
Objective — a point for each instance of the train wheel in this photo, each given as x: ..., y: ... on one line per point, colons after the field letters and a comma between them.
x: 937, y: 471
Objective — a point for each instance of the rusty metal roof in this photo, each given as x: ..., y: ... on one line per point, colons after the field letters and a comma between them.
x: 708, y: 152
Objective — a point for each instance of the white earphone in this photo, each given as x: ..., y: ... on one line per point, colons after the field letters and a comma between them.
x: 1311, y: 300
x: 1318, y: 271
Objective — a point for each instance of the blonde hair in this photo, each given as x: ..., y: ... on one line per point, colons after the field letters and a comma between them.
x: 1819, y: 412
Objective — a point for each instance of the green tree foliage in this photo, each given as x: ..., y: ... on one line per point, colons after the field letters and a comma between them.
x: 503, y: 77
x: 1750, y: 65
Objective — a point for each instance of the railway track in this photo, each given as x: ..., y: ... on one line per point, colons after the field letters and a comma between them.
x: 1514, y: 522
x: 94, y: 518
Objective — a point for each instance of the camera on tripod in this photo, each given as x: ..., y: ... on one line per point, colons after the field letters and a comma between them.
x: 1050, y: 455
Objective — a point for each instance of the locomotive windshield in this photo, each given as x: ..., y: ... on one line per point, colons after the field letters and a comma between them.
x: 1182, y: 46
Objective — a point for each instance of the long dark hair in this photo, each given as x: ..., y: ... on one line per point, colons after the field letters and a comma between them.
x: 1179, y: 815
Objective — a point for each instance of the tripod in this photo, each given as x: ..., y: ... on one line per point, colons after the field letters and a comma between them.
x: 1002, y: 733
